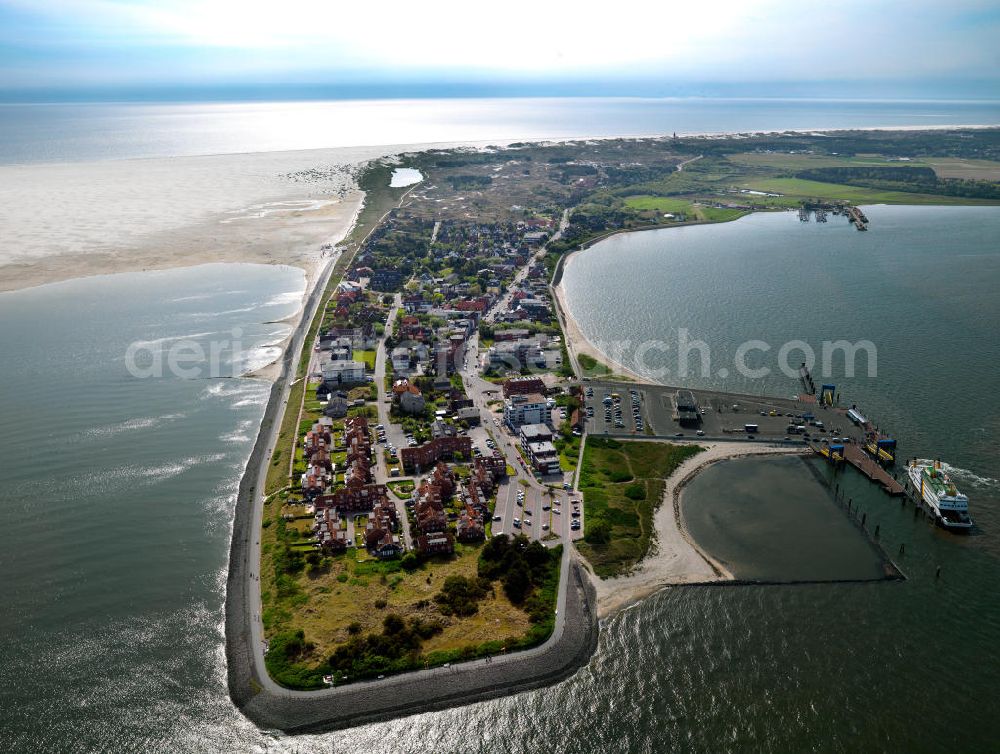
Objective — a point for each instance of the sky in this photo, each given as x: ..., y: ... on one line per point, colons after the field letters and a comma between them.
x: 534, y: 46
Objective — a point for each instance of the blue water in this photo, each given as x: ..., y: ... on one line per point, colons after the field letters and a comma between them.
x: 84, y: 131
x: 116, y: 492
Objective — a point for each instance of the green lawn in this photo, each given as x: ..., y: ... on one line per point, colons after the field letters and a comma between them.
x: 622, y: 484
x: 659, y: 204
x: 368, y: 357
x: 854, y: 194
x: 692, y: 210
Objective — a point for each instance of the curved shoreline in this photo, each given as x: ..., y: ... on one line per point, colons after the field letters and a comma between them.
x: 576, y: 342
x: 675, y: 558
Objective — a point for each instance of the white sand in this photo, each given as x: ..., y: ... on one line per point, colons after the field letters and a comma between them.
x: 72, y: 220
x: 674, y: 557
x: 67, y: 220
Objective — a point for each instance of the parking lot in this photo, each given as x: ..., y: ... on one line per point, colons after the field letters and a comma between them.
x: 625, y: 409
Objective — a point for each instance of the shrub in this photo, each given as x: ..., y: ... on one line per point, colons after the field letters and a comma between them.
x: 636, y: 491
x: 598, y: 532
x: 459, y: 595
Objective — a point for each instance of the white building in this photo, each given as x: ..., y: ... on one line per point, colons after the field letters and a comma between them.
x: 544, y: 457
x: 343, y: 372
x: 525, y: 409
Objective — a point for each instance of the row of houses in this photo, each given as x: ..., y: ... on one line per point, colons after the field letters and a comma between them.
x: 431, y: 452
x: 381, y: 535
x: 382, y: 531
x: 320, y: 469
x: 429, y: 518
x: 486, y: 475
x: 358, y: 441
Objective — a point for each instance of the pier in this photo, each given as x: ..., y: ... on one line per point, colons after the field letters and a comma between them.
x: 807, y: 381
x: 858, y: 218
x: 854, y: 455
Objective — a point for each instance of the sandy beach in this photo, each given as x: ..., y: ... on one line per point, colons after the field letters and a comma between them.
x: 674, y: 557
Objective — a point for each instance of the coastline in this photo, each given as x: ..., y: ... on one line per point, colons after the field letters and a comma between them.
x: 268, y: 705
x: 576, y: 342
x: 675, y: 558
x: 285, y: 710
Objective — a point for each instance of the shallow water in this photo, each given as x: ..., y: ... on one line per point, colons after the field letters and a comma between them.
x: 773, y: 519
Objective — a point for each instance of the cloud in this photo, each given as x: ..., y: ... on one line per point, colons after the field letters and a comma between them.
x: 759, y: 39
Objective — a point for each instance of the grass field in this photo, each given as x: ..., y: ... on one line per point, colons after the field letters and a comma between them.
x: 368, y: 357
x: 945, y: 167
x: 797, y: 162
x: 797, y: 187
x: 351, y: 591
x: 594, y: 369
x: 953, y: 167
x: 659, y: 204
x: 622, y: 484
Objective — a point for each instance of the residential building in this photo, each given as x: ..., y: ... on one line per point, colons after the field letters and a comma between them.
x: 468, y: 414
x: 387, y: 547
x: 543, y: 456
x: 401, y: 360
x: 343, y: 372
x: 535, y: 433
x: 436, y: 543
x: 355, y: 497
x: 470, y: 527
x: 386, y: 280
x: 426, y: 455
x: 336, y: 407
x: 409, y: 397
x: 519, y: 410
x: 514, y: 333
x: 522, y: 386
x: 330, y: 534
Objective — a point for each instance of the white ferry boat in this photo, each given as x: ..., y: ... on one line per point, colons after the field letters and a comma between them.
x: 950, y: 506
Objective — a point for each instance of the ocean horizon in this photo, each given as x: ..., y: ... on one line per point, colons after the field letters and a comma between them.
x: 46, y: 132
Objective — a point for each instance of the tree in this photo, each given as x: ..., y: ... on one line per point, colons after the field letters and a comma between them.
x: 409, y: 561
x: 517, y: 581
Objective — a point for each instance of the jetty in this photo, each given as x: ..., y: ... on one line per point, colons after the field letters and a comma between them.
x: 807, y: 381
x: 857, y: 217
x: 856, y: 457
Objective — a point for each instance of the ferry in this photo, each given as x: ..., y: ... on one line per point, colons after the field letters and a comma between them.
x: 950, y: 506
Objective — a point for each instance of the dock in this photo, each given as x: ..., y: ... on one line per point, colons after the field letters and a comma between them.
x: 807, y: 381
x: 857, y: 217
x: 864, y: 463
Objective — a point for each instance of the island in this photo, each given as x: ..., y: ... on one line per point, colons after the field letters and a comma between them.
x: 434, y: 511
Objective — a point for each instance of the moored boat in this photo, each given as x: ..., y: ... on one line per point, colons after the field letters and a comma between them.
x: 950, y: 507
